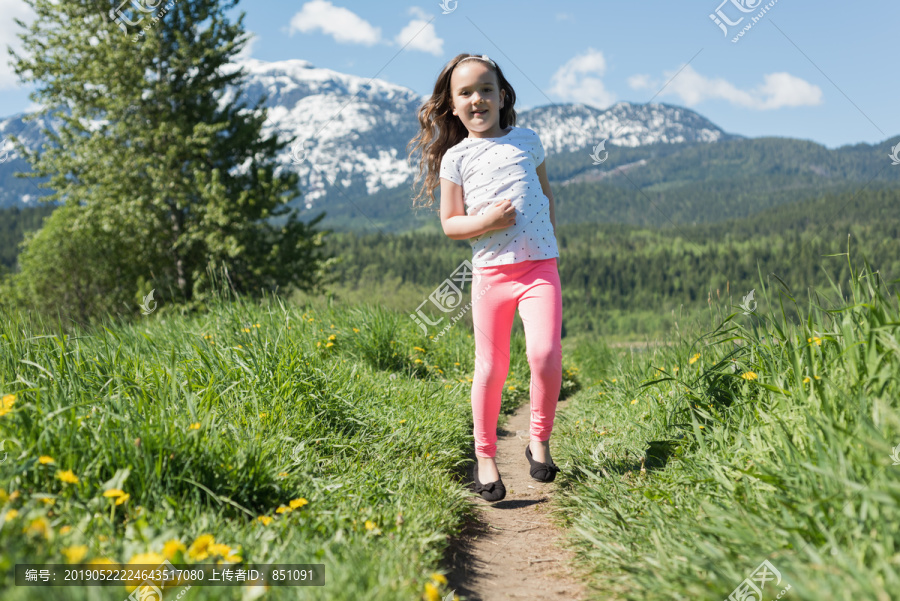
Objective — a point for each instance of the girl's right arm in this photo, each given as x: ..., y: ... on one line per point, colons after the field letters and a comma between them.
x: 459, y: 226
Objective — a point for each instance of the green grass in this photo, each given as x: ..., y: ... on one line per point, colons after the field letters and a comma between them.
x: 792, y: 466
x: 210, y: 421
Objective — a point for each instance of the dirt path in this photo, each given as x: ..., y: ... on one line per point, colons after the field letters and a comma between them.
x: 515, y: 550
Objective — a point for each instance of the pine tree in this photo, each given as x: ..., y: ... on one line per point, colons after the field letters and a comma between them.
x: 158, y: 145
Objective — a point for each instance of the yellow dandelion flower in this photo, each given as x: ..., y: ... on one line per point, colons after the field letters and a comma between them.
x: 675, y: 368
x: 603, y: 433
x: 47, y: 501
x: 439, y: 578
x: 330, y: 344
x: 10, y: 515
x: 806, y: 380
x: 45, y: 459
x: 114, y: 492
x: 67, y: 476
x: 701, y: 427
x: 431, y: 592
x: 418, y: 361
x: 261, y: 415
x: 283, y: 509
x: 332, y: 337
x: 198, y: 548
x: 233, y: 558
x: 370, y: 525
x: 298, y: 503
x: 816, y: 340
x: 123, y: 499
x: 511, y: 388
x: 246, y: 329
x: 694, y: 359
x: 356, y: 330
x: 219, y: 549
x: 65, y: 530
x: 256, y: 325
x: 817, y: 377
x: 266, y: 520
x: 6, y: 404
x: 240, y: 346
x: 172, y: 547
x: 401, y: 421
x: 75, y: 553
x: 613, y: 380
x: 283, y: 474
x: 599, y: 394
x: 634, y: 402
x: 39, y: 526
x: 419, y: 348
x: 749, y: 375
x: 151, y: 558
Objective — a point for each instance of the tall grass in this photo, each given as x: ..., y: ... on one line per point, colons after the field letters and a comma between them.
x: 768, y: 438
x: 334, y: 436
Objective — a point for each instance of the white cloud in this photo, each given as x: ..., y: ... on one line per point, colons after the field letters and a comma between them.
x: 580, y: 80
x: 420, y: 34
x: 342, y: 24
x: 9, y: 30
x: 777, y: 90
x: 345, y: 26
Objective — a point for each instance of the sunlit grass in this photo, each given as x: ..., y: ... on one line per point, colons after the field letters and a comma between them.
x: 770, y: 439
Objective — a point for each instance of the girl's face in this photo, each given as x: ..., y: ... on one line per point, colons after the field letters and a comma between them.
x: 476, y: 99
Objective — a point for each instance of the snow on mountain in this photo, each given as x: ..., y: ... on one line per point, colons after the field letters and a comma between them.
x: 353, y: 131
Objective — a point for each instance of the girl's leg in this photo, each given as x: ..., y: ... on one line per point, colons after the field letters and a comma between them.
x: 540, y: 307
x: 492, y: 316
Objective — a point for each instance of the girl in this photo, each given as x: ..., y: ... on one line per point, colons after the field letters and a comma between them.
x: 494, y: 192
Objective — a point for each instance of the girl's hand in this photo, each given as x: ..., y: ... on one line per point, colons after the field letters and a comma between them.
x: 500, y: 215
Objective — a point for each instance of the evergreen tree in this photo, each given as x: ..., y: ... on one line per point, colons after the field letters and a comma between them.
x: 157, y: 146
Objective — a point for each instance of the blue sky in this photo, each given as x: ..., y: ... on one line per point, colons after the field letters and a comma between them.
x: 820, y: 72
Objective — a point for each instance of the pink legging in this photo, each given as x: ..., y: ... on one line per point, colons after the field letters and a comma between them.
x: 533, y: 287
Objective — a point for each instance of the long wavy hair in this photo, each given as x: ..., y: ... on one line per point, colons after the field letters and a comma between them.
x: 440, y: 129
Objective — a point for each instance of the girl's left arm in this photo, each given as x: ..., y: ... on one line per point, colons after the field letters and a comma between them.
x: 545, y: 187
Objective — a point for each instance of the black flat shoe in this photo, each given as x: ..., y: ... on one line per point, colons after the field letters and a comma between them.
x: 492, y: 491
x: 542, y: 472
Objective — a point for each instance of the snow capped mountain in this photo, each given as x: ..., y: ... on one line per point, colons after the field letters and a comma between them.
x: 572, y: 127
x: 353, y: 132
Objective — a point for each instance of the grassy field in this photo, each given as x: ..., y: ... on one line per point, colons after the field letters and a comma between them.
x: 322, y: 432
x: 762, y: 440
x: 265, y: 433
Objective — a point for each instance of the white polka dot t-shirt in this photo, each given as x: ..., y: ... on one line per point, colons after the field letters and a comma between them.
x: 492, y: 169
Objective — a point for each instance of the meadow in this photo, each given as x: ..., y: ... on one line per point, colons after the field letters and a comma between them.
x: 308, y: 431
